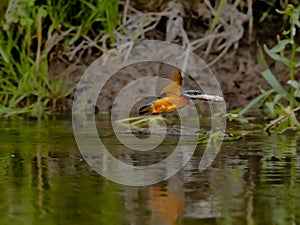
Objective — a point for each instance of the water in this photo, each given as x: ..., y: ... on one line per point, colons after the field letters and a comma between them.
x: 45, y: 180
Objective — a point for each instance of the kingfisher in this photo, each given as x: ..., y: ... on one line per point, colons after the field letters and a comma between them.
x: 170, y: 97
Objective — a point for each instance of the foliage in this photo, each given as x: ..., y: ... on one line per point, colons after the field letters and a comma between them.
x: 31, y: 31
x: 278, y: 102
x: 272, y: 5
x: 218, y: 13
x: 141, y: 122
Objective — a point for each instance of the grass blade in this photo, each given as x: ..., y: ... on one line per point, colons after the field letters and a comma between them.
x: 256, y: 101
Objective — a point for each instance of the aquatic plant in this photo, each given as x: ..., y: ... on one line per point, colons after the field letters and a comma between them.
x: 142, y: 122
x: 279, y: 103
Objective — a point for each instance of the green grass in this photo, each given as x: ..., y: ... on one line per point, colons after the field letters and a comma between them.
x: 279, y: 103
x: 28, y: 37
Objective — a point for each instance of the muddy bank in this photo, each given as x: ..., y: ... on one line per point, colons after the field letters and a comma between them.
x: 230, y: 48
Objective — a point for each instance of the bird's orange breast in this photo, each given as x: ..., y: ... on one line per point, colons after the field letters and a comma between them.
x: 168, y: 104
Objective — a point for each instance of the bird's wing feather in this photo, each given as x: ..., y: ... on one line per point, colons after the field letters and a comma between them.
x: 169, y: 81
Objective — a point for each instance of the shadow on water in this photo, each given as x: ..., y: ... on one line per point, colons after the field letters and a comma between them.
x: 44, y: 180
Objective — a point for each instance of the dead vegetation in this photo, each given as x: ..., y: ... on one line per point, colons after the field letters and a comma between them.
x: 227, y: 45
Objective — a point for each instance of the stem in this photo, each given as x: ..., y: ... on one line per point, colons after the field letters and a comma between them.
x: 278, y: 120
x: 293, y: 55
x: 39, y: 44
x: 292, y: 71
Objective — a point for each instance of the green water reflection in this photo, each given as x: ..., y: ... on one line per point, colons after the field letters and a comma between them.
x: 44, y: 180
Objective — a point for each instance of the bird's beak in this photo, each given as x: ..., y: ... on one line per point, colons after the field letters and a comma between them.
x: 205, y: 97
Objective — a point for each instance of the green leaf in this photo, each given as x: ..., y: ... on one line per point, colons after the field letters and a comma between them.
x: 234, y: 115
x: 277, y: 98
x: 280, y: 46
x: 273, y: 82
x: 219, y: 13
x: 256, y: 101
x: 288, y: 11
x: 31, y: 2
x: 3, y: 53
x: 282, y: 126
x: 293, y: 83
x: 293, y: 120
x: 297, y: 93
x: 296, y: 85
x: 42, y: 12
x: 242, y: 120
x: 271, y: 107
x: 286, y: 32
x: 288, y: 110
x: 264, y: 15
x: 261, y: 57
x: 23, y: 22
x: 277, y: 57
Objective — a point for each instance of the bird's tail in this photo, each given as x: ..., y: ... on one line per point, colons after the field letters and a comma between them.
x: 144, y: 109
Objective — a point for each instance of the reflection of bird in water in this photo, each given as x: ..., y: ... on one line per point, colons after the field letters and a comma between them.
x: 170, y: 97
x: 167, y: 206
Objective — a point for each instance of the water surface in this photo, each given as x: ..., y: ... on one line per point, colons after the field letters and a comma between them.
x: 45, y: 180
